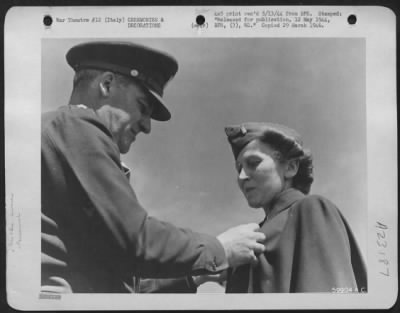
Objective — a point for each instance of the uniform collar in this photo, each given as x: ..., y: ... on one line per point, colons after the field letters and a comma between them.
x: 283, y: 201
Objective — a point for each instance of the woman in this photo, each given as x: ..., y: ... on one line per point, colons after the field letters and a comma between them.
x: 309, y: 245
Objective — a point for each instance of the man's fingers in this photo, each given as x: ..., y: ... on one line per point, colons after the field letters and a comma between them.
x: 254, y: 261
x: 256, y: 233
x: 253, y: 258
x: 259, y: 236
x: 241, y: 240
x: 253, y: 226
x: 258, y: 248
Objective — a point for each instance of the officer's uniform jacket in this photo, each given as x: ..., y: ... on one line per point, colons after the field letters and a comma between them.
x: 309, y: 248
x: 95, y: 234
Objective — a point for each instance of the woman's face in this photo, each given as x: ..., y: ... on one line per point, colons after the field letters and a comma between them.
x: 260, y: 175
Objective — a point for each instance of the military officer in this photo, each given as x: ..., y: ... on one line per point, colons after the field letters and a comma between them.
x: 95, y: 234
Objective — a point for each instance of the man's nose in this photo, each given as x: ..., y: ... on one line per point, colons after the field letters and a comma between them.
x: 145, y: 125
x: 242, y: 174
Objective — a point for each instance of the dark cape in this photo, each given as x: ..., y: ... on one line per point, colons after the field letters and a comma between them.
x: 309, y: 248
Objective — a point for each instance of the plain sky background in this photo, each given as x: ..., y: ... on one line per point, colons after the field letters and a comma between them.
x: 183, y: 172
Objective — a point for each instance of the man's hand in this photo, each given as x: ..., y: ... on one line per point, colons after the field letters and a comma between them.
x: 241, y: 244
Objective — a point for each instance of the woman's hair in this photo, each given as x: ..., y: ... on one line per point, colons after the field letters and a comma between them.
x: 287, y: 149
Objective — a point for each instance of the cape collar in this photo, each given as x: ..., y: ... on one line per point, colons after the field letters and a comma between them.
x: 283, y: 201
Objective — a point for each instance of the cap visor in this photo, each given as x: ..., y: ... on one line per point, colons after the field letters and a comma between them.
x: 160, y: 112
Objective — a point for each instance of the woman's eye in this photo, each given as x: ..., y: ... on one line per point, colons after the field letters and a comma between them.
x: 253, y: 163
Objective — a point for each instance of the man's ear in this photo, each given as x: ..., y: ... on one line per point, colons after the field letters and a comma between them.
x: 292, y: 167
x: 106, y: 81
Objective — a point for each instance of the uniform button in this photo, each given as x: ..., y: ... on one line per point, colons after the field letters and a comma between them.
x: 134, y: 73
